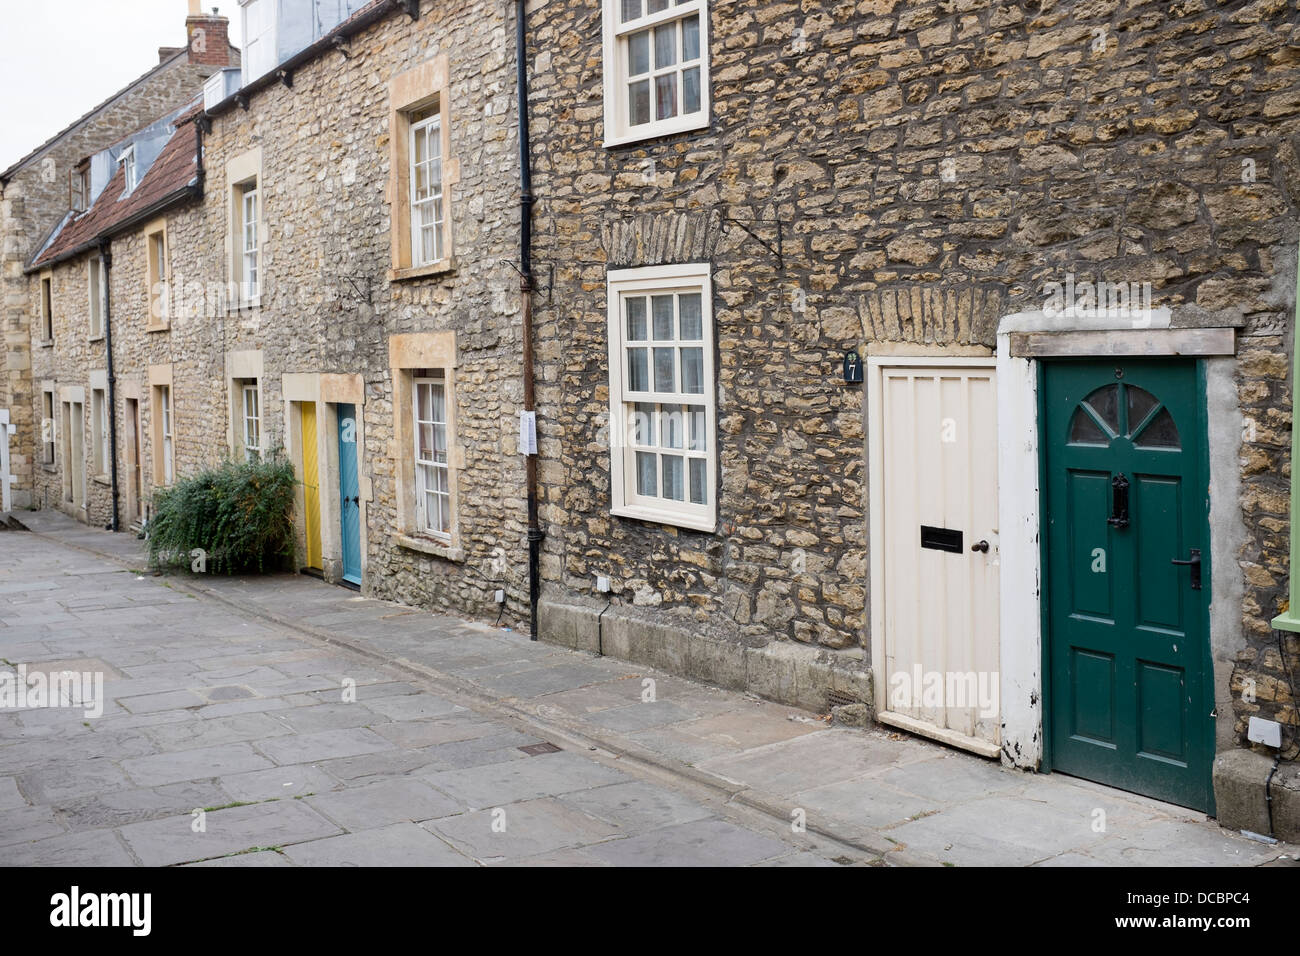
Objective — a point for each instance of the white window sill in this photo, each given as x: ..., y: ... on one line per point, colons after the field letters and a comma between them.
x: 46, y: 343
x: 245, y: 305
x: 656, y: 516
x: 100, y: 479
x: 438, y: 549
x: 158, y: 327
x: 97, y: 338
x: 658, y: 130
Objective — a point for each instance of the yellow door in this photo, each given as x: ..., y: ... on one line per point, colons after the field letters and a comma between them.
x: 310, y: 484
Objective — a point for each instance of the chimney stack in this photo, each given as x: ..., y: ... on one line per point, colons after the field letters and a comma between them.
x: 208, y: 35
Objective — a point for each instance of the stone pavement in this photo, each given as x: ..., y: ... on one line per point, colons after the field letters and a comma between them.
x: 225, y: 693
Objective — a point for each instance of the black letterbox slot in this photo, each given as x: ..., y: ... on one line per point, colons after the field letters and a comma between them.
x: 941, y: 539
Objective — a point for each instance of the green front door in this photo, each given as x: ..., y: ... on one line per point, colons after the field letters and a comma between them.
x: 1126, y: 496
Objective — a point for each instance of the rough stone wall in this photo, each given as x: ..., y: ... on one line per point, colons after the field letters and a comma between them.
x: 933, y: 165
x: 325, y: 165
x: 34, y: 200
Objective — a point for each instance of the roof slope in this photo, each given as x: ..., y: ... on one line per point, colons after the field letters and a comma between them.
x: 175, y: 168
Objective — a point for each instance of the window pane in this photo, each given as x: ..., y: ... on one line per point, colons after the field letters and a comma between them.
x: 692, y: 323
x: 665, y: 96
x: 699, y: 471
x: 665, y: 379
x: 643, y: 424
x: 425, y: 446
x: 638, y: 53
x: 673, y: 477
x: 670, y: 427
x: 690, y: 38
x: 696, y: 416
x: 645, y: 473
x: 424, y: 402
x: 663, y: 317
x: 691, y: 90
x: 639, y: 103
x: 636, y: 319
x: 665, y: 45
x: 657, y: 5
x: 693, y: 371
x: 631, y: 10
x: 638, y: 374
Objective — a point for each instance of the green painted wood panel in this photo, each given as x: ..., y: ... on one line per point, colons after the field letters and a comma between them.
x: 1128, y: 690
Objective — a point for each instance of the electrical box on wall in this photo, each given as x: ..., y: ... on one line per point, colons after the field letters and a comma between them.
x: 1266, y: 732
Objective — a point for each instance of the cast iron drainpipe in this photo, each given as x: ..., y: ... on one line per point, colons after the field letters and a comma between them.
x: 535, y: 533
x: 106, y: 263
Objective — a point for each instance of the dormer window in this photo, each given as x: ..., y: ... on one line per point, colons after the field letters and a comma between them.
x: 127, y: 161
x: 259, y: 54
x: 79, y: 188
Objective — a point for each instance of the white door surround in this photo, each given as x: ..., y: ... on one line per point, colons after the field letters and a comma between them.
x: 1023, y: 340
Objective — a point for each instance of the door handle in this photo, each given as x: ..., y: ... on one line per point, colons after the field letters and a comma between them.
x: 980, y: 546
x: 1118, y: 502
x: 1193, y: 562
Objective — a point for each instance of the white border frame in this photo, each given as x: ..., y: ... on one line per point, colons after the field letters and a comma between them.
x: 649, y: 279
x: 617, y: 132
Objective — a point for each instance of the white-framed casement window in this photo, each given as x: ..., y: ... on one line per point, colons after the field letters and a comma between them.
x: 259, y: 48
x: 426, y: 187
x: 251, y: 414
x: 164, y: 452
x: 432, y: 480
x: 656, y: 68
x: 48, y: 429
x: 127, y: 160
x: 98, y: 432
x: 157, y: 276
x: 95, y: 296
x: 664, y: 461
x: 248, y: 245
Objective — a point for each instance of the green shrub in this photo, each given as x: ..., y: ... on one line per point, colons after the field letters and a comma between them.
x: 239, y: 515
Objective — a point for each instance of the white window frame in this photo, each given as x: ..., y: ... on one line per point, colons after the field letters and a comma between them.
x: 50, y: 432
x: 95, y: 295
x: 99, y: 431
x: 431, y: 128
x: 250, y: 249
x: 624, y: 435
x: 260, y: 55
x: 252, y: 419
x: 127, y: 161
x: 425, y: 468
x: 616, y: 65
x: 165, y: 433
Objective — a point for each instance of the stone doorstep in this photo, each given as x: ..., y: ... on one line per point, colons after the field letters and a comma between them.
x: 1241, y: 779
x: 795, y: 675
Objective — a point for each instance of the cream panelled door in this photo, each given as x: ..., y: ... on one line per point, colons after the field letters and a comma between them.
x: 934, y: 548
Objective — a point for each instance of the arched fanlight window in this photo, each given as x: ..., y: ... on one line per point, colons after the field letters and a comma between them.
x: 1124, y: 410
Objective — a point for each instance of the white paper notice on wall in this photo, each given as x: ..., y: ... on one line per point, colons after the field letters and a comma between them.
x: 527, y: 433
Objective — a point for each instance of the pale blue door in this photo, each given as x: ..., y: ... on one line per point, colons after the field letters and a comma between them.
x: 350, y: 494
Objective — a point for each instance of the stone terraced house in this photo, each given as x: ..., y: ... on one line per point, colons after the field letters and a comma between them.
x: 39, y: 190
x: 926, y: 360
x: 897, y: 351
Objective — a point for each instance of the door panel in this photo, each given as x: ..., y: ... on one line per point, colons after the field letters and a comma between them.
x: 310, y: 484
x: 1126, y: 494
x: 349, y: 494
x: 937, y: 437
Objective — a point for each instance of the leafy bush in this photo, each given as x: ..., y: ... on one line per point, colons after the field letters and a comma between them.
x: 239, y: 515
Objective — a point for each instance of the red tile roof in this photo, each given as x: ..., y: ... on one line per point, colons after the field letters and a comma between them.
x: 173, y: 170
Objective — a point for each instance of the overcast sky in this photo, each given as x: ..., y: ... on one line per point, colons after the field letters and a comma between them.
x: 61, y: 58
